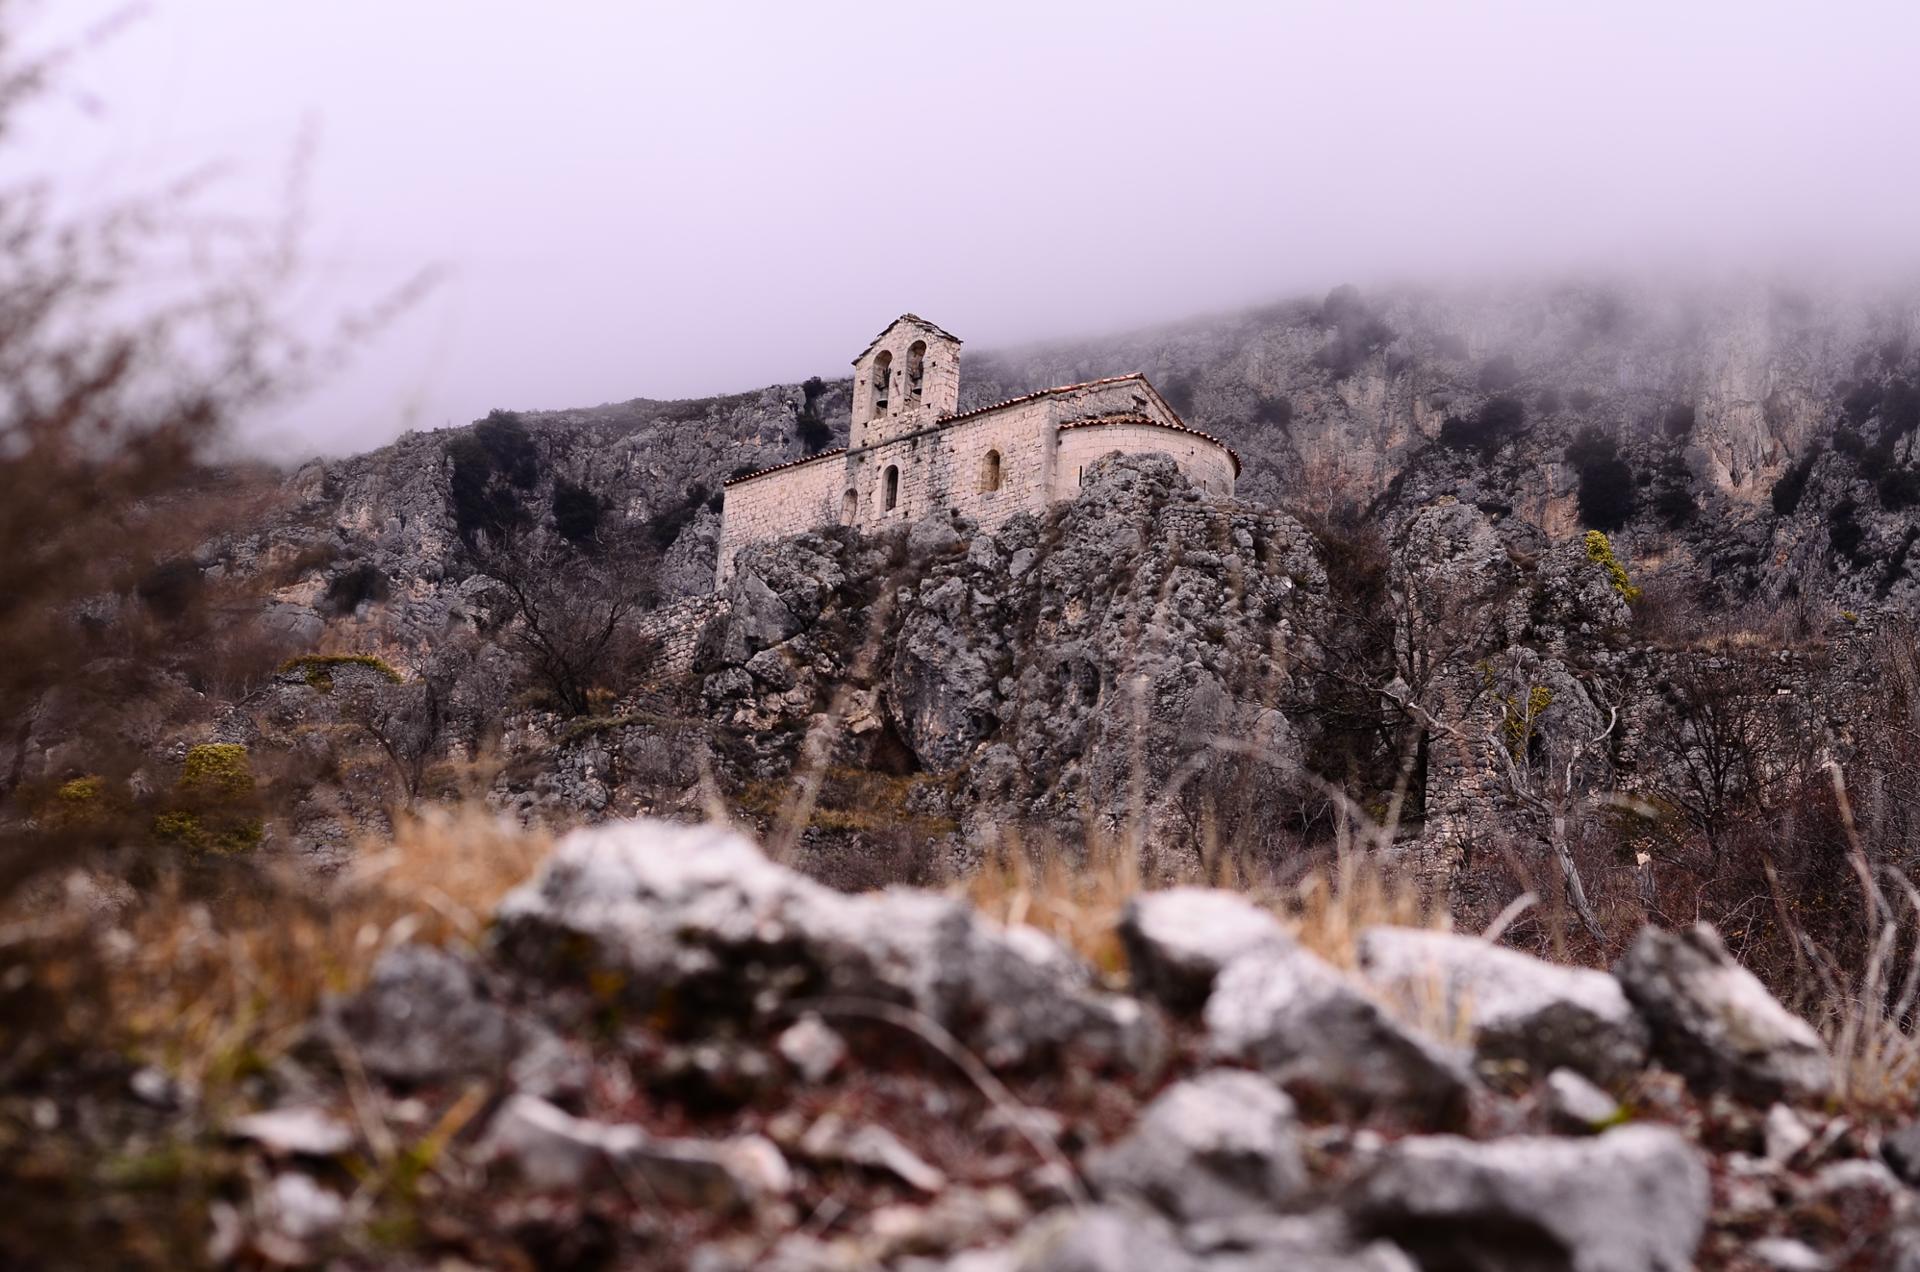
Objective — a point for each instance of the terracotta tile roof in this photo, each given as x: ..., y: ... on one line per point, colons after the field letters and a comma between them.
x: 1037, y: 394
x: 912, y: 318
x: 776, y: 468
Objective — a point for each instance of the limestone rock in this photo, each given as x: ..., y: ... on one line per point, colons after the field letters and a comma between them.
x: 832, y: 1139
x: 1322, y: 1034
x: 1516, y: 1006
x: 299, y: 1130
x: 422, y: 1017
x: 1210, y: 1147
x: 1901, y: 1151
x: 1100, y: 1239
x: 1574, y: 1104
x: 1714, y: 1023
x: 811, y: 1047
x: 1178, y: 940
x: 700, y: 912
x: 1632, y: 1200
x: 1318, y: 1241
x: 551, y: 1149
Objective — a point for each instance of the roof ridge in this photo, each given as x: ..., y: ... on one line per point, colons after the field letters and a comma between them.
x: 790, y: 463
x: 934, y: 327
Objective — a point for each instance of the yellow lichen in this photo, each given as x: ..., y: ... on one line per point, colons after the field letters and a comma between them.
x: 80, y: 791
x: 214, y: 809
x: 318, y: 668
x: 1600, y: 552
x: 1521, y: 717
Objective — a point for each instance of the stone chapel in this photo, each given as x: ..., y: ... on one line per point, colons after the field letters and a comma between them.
x: 911, y: 451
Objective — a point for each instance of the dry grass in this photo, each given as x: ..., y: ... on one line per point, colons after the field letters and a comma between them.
x: 1078, y: 897
x: 212, y: 989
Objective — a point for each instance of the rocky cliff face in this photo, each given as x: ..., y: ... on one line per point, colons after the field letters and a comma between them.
x: 1120, y: 665
x: 1709, y: 399
x: 1064, y: 671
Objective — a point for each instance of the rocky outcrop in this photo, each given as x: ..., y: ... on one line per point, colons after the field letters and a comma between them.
x: 754, y: 1052
x: 699, y: 916
x: 1065, y: 669
x: 1178, y: 941
x: 1214, y: 1146
x: 1326, y: 1037
x: 1714, y: 1023
x: 1632, y: 1200
x: 1515, y: 1008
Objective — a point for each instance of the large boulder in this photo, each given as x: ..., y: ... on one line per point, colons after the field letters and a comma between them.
x: 1178, y: 940
x: 1632, y: 1200
x: 1516, y: 1007
x: 698, y: 915
x: 1214, y: 1146
x: 1714, y: 1023
x: 1324, y: 1036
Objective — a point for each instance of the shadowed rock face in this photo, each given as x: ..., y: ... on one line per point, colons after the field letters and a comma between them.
x: 1064, y: 666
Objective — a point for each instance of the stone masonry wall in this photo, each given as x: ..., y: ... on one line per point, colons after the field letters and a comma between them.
x: 675, y: 632
x: 1205, y: 463
x: 1043, y: 443
x: 942, y: 469
x: 778, y: 504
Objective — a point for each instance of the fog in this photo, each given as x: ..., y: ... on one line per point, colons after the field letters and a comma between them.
x: 675, y: 200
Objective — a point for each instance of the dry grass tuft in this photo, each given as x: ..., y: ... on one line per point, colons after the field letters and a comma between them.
x: 1077, y: 898
x: 1075, y: 901
x: 212, y: 985
x: 1331, y: 906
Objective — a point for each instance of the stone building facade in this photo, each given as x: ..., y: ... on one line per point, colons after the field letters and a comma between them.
x: 911, y: 451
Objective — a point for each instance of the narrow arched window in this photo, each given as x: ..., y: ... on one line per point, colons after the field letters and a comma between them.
x: 990, y: 473
x: 890, y: 489
x: 882, y: 381
x: 916, y: 371
x: 849, y: 508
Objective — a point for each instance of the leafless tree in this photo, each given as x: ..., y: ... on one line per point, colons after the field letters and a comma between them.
x: 405, y: 720
x: 568, y: 607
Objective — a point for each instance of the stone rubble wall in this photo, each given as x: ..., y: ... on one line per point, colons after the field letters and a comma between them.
x: 675, y: 631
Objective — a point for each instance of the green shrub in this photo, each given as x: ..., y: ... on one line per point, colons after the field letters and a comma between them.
x: 1606, y: 495
x: 1496, y: 423
x: 1845, y: 533
x: 1275, y: 410
x: 217, y: 771
x: 355, y: 586
x: 213, y: 807
x: 815, y: 433
x: 576, y: 510
x: 1793, y: 483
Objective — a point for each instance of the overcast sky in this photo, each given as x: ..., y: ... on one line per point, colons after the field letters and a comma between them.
x: 670, y: 200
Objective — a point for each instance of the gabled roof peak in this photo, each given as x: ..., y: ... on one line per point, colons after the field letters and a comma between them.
x: 917, y: 321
